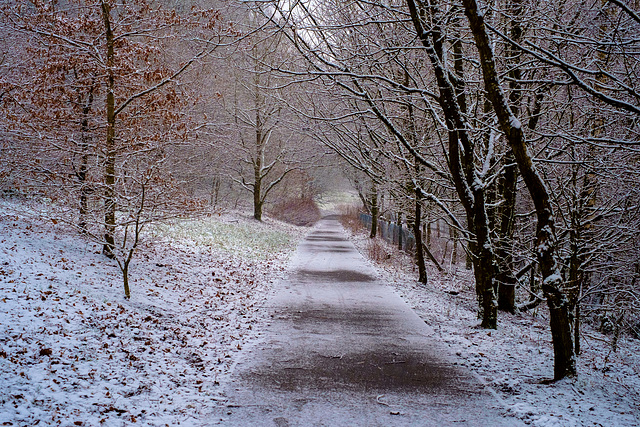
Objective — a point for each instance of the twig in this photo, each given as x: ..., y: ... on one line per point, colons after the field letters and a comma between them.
x: 380, y: 396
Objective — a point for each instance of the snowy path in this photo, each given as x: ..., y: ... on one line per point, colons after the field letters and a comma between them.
x: 344, y: 350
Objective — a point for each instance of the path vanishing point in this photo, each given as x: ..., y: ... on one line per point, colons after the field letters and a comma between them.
x: 343, y: 349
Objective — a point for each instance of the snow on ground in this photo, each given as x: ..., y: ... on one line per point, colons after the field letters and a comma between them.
x: 74, y: 352
x: 515, y: 361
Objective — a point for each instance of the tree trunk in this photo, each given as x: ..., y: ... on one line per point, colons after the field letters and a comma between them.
x: 417, y: 232
x: 461, y: 160
x: 484, y: 266
x: 506, y: 291
x: 374, y: 213
x: 506, y: 216
x: 546, y: 245
x: 84, y: 162
x: 260, y: 148
x: 84, y: 193
x: 257, y: 196
x: 507, y: 187
x: 575, y: 270
x: 453, y: 235
x: 125, y: 280
x: 215, y: 191
x: 110, y: 149
x: 468, y: 262
x: 400, y: 233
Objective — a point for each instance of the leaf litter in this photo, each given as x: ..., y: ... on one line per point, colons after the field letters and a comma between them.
x: 73, y: 351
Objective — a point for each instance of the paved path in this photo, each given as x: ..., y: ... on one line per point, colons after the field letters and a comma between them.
x: 344, y: 350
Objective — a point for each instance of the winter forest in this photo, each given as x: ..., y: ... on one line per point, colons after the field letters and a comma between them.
x: 194, y: 142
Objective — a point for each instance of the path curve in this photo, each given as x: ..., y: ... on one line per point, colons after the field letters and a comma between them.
x: 343, y: 349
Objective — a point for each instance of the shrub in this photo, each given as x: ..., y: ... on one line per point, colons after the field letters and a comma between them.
x: 377, y: 251
x: 302, y: 211
x: 350, y: 217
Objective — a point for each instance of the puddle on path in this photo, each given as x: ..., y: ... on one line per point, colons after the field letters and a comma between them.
x: 333, y: 276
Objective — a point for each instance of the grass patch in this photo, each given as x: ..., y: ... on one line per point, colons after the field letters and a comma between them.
x: 246, y: 238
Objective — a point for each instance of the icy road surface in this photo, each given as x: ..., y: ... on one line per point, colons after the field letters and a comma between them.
x: 344, y: 350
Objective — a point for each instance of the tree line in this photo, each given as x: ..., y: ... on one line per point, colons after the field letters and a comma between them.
x: 515, y: 122
x: 122, y: 114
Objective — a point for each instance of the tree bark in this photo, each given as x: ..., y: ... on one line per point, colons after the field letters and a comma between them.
x: 84, y: 162
x: 125, y: 281
x: 258, y: 161
x: 484, y: 265
x: 506, y: 217
x: 374, y: 213
x: 417, y: 232
x: 400, y: 232
x: 110, y: 149
x: 257, y: 191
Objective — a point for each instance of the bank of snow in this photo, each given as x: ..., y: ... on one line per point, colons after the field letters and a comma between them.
x: 516, y: 360
x: 73, y: 351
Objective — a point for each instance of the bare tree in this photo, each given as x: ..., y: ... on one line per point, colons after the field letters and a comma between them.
x: 546, y: 243
x: 267, y: 142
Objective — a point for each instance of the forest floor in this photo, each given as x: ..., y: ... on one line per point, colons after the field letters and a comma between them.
x: 74, y: 352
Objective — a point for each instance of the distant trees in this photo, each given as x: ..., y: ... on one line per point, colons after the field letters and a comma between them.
x: 372, y: 63
x: 264, y: 138
x: 263, y: 146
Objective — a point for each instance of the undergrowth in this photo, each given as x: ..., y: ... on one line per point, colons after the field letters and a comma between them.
x: 300, y: 211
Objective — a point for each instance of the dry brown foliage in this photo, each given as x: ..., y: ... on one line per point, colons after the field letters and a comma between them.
x: 302, y: 211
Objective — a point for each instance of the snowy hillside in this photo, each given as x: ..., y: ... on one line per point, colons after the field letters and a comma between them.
x: 73, y: 351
